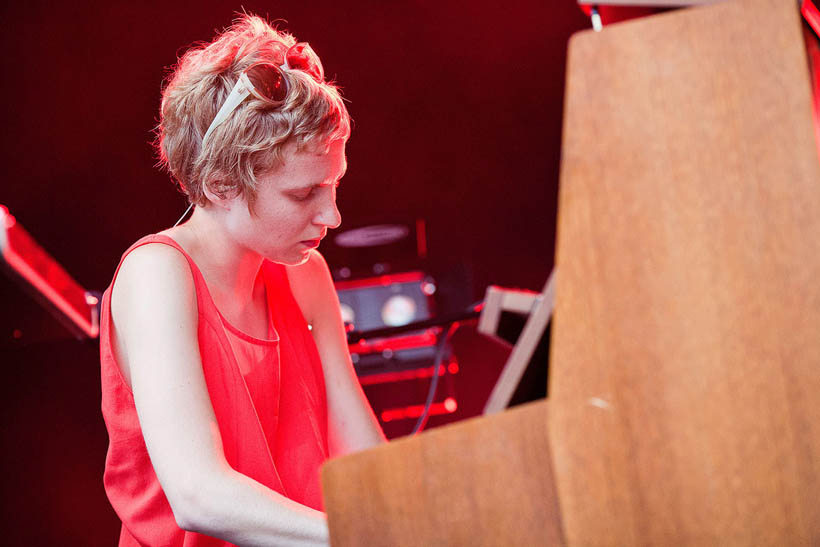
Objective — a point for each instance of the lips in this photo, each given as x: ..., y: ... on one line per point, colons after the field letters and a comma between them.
x: 312, y: 243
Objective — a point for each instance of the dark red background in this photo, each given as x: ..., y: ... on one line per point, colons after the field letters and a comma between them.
x: 457, y: 110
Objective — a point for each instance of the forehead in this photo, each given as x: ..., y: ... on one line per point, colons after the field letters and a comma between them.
x: 312, y: 165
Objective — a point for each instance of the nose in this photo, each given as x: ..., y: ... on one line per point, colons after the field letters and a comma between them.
x: 328, y: 215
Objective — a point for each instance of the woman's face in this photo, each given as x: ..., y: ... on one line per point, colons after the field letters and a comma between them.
x: 295, y: 205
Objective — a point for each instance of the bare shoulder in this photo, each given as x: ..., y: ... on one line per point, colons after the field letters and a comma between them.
x: 351, y: 423
x: 311, y: 284
x: 153, y: 304
x: 155, y: 338
x: 153, y: 271
x: 154, y: 254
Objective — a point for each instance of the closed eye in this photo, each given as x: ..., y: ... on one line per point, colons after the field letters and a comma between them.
x: 304, y: 195
x: 307, y: 193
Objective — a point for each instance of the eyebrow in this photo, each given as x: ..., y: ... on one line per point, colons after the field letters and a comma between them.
x: 319, y: 185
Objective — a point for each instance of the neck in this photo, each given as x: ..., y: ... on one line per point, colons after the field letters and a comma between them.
x: 229, y: 269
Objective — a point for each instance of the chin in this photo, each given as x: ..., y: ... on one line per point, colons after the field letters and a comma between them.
x: 295, y: 259
x: 304, y: 258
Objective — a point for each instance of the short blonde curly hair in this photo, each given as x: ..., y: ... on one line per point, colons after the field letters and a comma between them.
x: 252, y: 139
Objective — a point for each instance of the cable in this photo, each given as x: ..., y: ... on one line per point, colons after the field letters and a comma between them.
x: 431, y: 394
x: 448, y: 324
x: 183, y: 214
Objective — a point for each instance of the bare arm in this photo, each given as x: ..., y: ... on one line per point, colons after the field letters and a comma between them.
x: 351, y: 422
x: 154, y: 315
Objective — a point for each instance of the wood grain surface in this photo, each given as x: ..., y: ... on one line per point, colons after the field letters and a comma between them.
x: 482, y: 482
x: 685, y: 366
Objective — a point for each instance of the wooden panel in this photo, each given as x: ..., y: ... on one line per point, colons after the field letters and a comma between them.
x: 685, y: 387
x: 485, y: 481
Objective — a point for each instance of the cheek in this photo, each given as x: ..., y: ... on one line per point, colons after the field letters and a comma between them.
x: 286, y: 220
x: 295, y: 213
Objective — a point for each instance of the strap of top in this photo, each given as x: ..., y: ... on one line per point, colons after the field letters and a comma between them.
x: 106, y: 342
x: 203, y: 295
x: 160, y: 238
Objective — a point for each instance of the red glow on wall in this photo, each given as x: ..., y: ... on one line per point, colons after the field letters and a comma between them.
x: 448, y: 406
x: 421, y: 238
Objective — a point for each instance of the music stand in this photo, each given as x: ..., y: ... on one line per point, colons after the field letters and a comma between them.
x: 539, y: 307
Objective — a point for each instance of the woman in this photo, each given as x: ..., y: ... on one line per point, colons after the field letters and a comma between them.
x: 220, y: 402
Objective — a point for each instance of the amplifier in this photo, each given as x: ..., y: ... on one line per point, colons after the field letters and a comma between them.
x: 390, y: 300
x: 395, y: 374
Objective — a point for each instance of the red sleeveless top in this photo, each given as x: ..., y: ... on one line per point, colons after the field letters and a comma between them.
x: 268, y: 397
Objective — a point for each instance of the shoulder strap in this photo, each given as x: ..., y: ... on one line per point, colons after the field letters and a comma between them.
x: 157, y: 238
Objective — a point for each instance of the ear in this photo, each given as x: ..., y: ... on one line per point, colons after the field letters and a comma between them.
x: 219, y: 199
